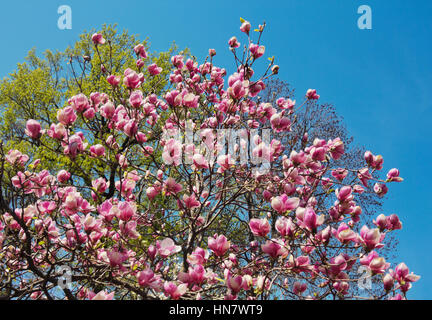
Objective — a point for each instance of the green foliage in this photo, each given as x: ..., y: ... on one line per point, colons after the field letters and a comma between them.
x: 41, y: 85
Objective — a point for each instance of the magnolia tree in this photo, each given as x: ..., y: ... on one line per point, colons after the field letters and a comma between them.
x: 192, y: 195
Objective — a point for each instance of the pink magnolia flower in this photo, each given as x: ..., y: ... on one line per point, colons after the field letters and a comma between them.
x: 191, y: 201
x: 140, y: 50
x: 256, y: 50
x: 344, y: 194
x: 393, y: 222
x: 101, y: 295
x: 113, y: 80
x: 393, y: 175
x: 117, y: 257
x: 345, y: 234
x: 199, y: 161
x: 375, y: 263
x: 299, y: 288
x: 172, y: 187
x: 371, y: 238
x: 147, y: 278
x: 167, y: 247
x: 136, y: 98
x: 154, y: 70
x: 388, y: 282
x: 66, y: 116
x: 97, y: 150
x: 280, y: 123
x: 336, y: 148
x: 285, y: 227
x: 233, y: 43
x: 275, y: 248
x: 16, y: 157
x: 177, y: 61
x: 259, y: 227
x: 225, y: 162
x: 380, y: 189
x: 381, y: 222
x: 373, y: 161
x: 97, y: 38
x: 107, y: 110
x: 245, y: 27
x: 174, y: 291
x: 172, y: 152
x: 198, y: 256
x: 79, y: 102
x: 152, y: 192
x: 401, y: 274
x: 235, y: 283
x: 238, y: 89
x: 218, y: 244
x: 339, y: 173
x: 126, y: 210
x: 310, y: 219
x: 131, y: 79
x: 312, y: 94
x: 33, y: 129
x: 282, y: 203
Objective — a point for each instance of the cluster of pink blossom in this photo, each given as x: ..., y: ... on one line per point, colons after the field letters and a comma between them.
x: 152, y: 226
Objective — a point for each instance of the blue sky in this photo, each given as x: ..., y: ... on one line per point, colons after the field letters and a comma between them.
x: 379, y: 79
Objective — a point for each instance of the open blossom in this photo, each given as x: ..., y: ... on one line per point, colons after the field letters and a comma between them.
x: 275, y: 248
x: 167, y: 247
x: 256, y: 50
x: 172, y: 187
x: 375, y: 263
x: 113, y: 80
x: 174, y: 291
x: 191, y: 201
x: 147, y: 278
x: 198, y: 256
x: 283, y: 203
x: 16, y: 157
x: 401, y: 274
x: 97, y: 150
x: 285, y: 226
x: 371, y: 238
x: 132, y: 79
x: 219, y: 244
x: 154, y: 70
x: 66, y: 116
x: 199, y: 161
x: 172, y: 152
x: 259, y: 227
x: 225, y: 162
x: 345, y: 234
